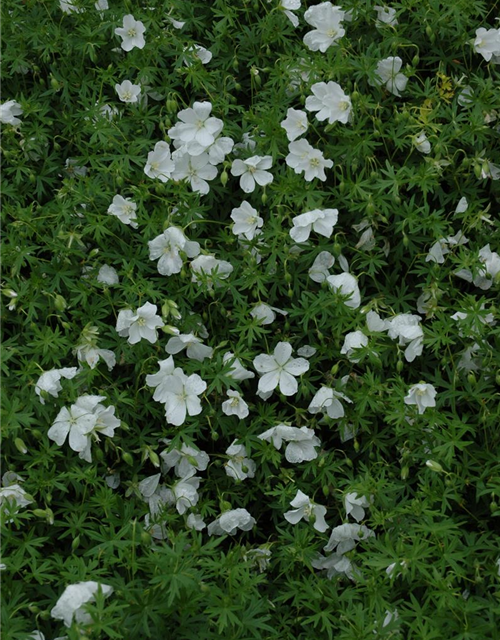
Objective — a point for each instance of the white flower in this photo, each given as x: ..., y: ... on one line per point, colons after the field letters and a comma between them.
x: 193, y: 345
x: 75, y: 169
x: 465, y: 96
x: 141, y: 324
x: 210, y: 267
x: 90, y: 354
x: 246, y: 220
x: 239, y: 466
x: 161, y: 380
x: 322, y: 263
x: 196, y: 170
x: 105, y: 421
x: 330, y: 102
x: 230, y: 521
x: 344, y: 537
x: 302, y: 443
x: 49, y: 382
x: 128, y: 92
x: 235, y: 406
x: 253, y: 170
x: 490, y: 261
x: 280, y: 369
x: 108, y: 275
x: 70, y: 604
x: 490, y: 170
x: 347, y: 285
x: 196, y: 128
x: 77, y: 422
x: 289, y: 6
x: 219, y: 149
x: 265, y: 313
x: 159, y: 163
x: 203, y: 55
x: 352, y: 341
x: 8, y: 112
x: 327, y: 401
x: 260, y: 557
x: 437, y: 252
x: 295, y: 124
x: 305, y: 508
x: 67, y: 6
x: 320, y: 220
x: 335, y: 564
x: 167, y: 247
x: 237, y: 371
x: 422, y: 144
x: 406, y: 327
x: 15, y: 496
x: 487, y: 42
x: 124, y: 209
x: 184, y: 494
x: 386, y: 15
x: 327, y: 21
x: 195, y: 521
x: 423, y: 395
x: 390, y: 569
x: 186, y: 461
x: 306, y: 351
x: 303, y: 157
x: 387, y: 74
x: 101, y: 5
x: 132, y: 33
x: 355, y: 506
x: 181, y: 397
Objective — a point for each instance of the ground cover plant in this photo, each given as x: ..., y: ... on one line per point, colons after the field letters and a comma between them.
x: 250, y: 285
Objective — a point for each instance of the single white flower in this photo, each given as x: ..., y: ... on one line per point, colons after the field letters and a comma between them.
x: 237, y: 371
x: 321, y: 221
x: 487, y: 42
x: 128, y: 92
x: 387, y: 73
x: 355, y: 506
x: 347, y: 285
x: 289, y: 6
x: 302, y: 443
x: 15, y: 496
x: 90, y: 354
x: 8, y: 112
x: 124, y: 209
x: 203, y: 55
x: 184, y: 494
x: 168, y: 246
x: 259, y: 556
x: 303, y: 157
x: 230, y: 521
x: 195, y: 521
x: 161, y: 380
x: 386, y: 15
x: 280, y: 369
x: 253, y: 170
x: 219, y: 149
x: 159, y: 163
x: 49, y: 382
x: 490, y: 267
x: 330, y: 102
x: 108, y: 275
x: 132, y: 33
x: 305, y: 508
x: 319, y: 270
x: 105, y: 422
x: 196, y: 128
x: 209, y: 267
x: 195, y: 349
x: 327, y: 21
x: 406, y: 327
x: 422, y: 144
x: 181, y: 398
x: 335, y: 564
x: 70, y: 604
x: 353, y: 341
x: 101, y: 5
x: 235, y: 406
x: 74, y: 169
x: 141, y: 324
x: 67, y: 6
x: 196, y: 170
x: 306, y: 351
x: 344, y: 537
x: 239, y: 466
x: 326, y: 400
x: 246, y: 220
x: 185, y: 461
x: 295, y: 124
x: 375, y: 323
x: 76, y: 422
x: 266, y: 314
x: 423, y: 395
x: 437, y: 252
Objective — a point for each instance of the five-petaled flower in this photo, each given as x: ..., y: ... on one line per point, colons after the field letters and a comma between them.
x: 132, y: 33
x: 280, y: 369
x: 305, y: 508
x: 423, y: 395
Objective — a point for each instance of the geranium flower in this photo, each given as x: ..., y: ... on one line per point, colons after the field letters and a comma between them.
x: 487, y: 42
x: 124, y: 209
x: 387, y: 73
x: 305, y: 508
x: 406, y: 327
x: 235, y: 406
x: 423, y: 395
x: 335, y: 564
x: 302, y: 443
x: 266, y: 314
x: 195, y: 521
x: 490, y: 268
x: 70, y: 603
x: 347, y: 285
x: 344, y: 537
x: 196, y: 128
x: 320, y: 220
x: 185, y: 461
x: 161, y: 380
x: 8, y: 112
x: 289, y: 6
x: 141, y: 324
x: 253, y: 170
x: 246, y: 220
x: 195, y: 349
x: 386, y: 15
x: 159, y: 163
x: 295, y: 124
x: 105, y: 424
x: 49, y: 382
x: 168, y: 246
x: 195, y: 169
x: 203, y: 55
x: 108, y: 275
x: 230, y: 521
x: 184, y: 494
x: 353, y: 341
x: 239, y: 466
x: 355, y: 506
x: 237, y: 370
x: 132, y: 33
x: 303, y: 157
x: 422, y: 144
x: 128, y: 92
x: 330, y: 102
x: 219, y: 149
x: 280, y: 369
x: 209, y: 267
x: 327, y: 401
x: 76, y: 422
x: 319, y: 270
x: 327, y: 21
x: 181, y: 398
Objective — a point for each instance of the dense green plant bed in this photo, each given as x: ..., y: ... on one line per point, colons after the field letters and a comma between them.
x: 251, y: 365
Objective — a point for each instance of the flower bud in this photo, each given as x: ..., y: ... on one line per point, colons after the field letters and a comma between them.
x: 264, y: 198
x: 36, y: 433
x: 20, y: 446
x: 60, y: 303
x: 356, y: 445
x: 39, y: 513
x: 214, y: 435
x: 146, y: 538
x: 434, y: 466
x: 326, y: 490
x: 334, y: 370
x: 404, y: 472
x: 75, y: 544
x: 399, y: 366
x: 471, y: 378
x: 155, y: 458
x: 477, y: 170
x: 225, y: 506
x: 224, y: 178
x: 415, y: 60
x: 127, y: 458
x: 288, y: 277
x: 170, y: 330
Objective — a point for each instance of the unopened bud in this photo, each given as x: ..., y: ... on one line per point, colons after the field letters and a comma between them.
x: 60, y: 303
x: 20, y: 446
x: 399, y: 366
x: 224, y: 178
x: 146, y: 538
x: 170, y: 330
x: 127, y: 458
x: 334, y: 370
x: 434, y: 466
x: 225, y: 505
x: 155, y: 458
x: 404, y: 472
x: 264, y: 198
x: 75, y: 544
